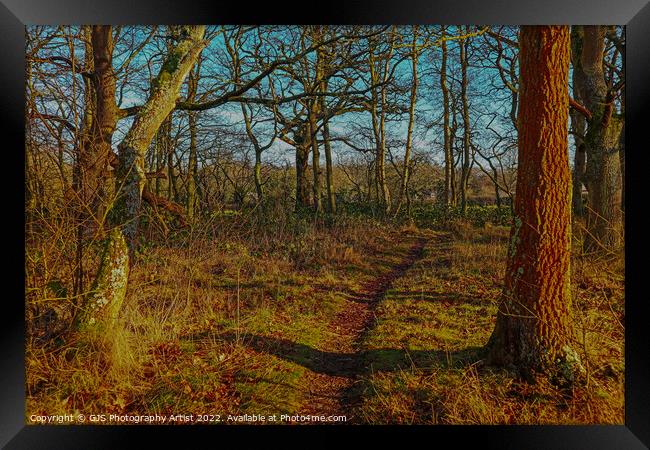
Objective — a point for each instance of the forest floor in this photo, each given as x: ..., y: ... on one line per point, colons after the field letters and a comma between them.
x: 381, y: 325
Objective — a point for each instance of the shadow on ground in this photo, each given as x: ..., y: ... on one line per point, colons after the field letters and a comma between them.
x: 352, y: 365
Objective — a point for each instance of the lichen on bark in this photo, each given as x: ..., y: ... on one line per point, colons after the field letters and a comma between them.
x: 533, y: 332
x: 109, y: 288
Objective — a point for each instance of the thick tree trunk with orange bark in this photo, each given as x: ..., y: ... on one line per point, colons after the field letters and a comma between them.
x: 533, y: 329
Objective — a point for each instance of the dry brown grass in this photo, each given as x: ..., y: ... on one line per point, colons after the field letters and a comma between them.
x: 169, y: 353
x: 442, y: 313
x: 195, y: 299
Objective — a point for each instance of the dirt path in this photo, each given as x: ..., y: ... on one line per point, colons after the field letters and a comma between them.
x: 330, y: 388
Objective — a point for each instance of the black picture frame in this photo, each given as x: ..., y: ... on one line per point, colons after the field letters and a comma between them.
x: 15, y: 14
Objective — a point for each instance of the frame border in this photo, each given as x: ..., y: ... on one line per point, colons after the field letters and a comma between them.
x: 635, y: 14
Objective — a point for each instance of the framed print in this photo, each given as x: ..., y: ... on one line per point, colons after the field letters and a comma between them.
x: 395, y: 217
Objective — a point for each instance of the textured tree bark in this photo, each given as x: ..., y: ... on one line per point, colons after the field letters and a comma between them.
x: 453, y: 151
x: 192, y: 163
x: 172, y: 178
x: 449, y: 197
x: 316, y: 171
x: 533, y: 330
x: 303, y: 145
x: 329, y: 171
x: 313, y: 111
x: 579, y: 164
x: 29, y: 191
x: 83, y: 167
x: 602, y: 173
x: 621, y: 151
x: 94, y: 153
x: 159, y: 158
x: 578, y: 121
x: 192, y: 168
x: 110, y: 285
x: 621, y: 154
x: 464, y: 175
x: 100, y: 121
x: 102, y: 307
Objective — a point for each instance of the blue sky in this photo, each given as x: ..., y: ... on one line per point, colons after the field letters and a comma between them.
x: 488, y: 104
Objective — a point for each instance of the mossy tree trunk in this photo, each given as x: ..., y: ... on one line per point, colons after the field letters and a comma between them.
x: 192, y: 163
x: 172, y: 179
x: 621, y: 152
x: 302, y: 138
x: 316, y: 170
x: 602, y: 172
x: 533, y: 330
x: 325, y: 58
x: 110, y: 285
x: 465, y: 169
x: 95, y: 146
x: 329, y: 170
x: 578, y: 122
x: 99, y: 123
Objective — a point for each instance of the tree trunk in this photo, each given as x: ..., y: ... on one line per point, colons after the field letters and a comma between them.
x: 303, y: 145
x: 464, y: 177
x: 602, y: 173
x: 172, y: 179
x: 329, y: 174
x: 110, y: 284
x: 409, y: 131
x: 29, y: 190
x: 192, y: 163
x: 578, y: 122
x: 378, y: 115
x: 621, y: 155
x: 257, y: 170
x: 449, y: 197
x: 533, y: 327
x: 453, y: 151
x: 497, y: 193
x: 100, y: 121
x: 95, y: 149
x: 621, y: 151
x: 579, y: 163
x: 83, y: 166
x: 192, y: 168
x: 160, y: 157
x: 316, y: 172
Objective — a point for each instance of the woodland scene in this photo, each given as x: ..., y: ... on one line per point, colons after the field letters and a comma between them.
x: 325, y: 224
